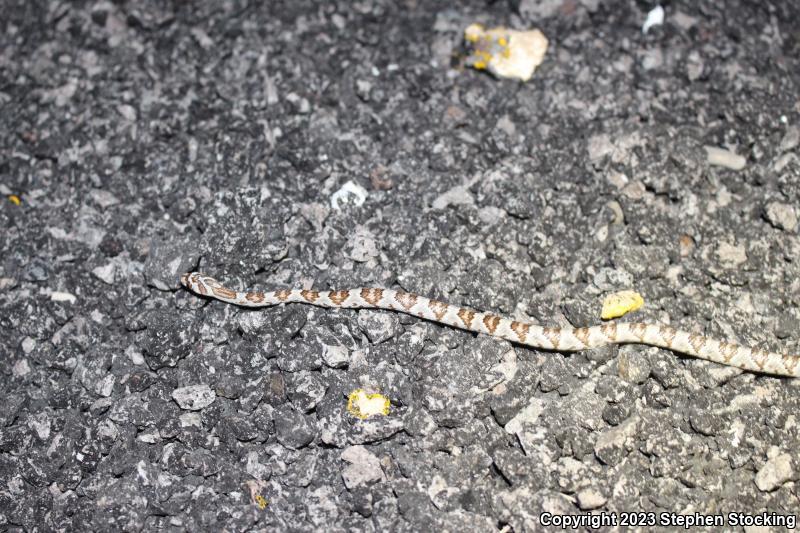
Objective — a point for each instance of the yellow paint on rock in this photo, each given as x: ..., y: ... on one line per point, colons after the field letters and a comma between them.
x: 261, y: 501
x: 504, y: 52
x: 618, y: 304
x: 364, y: 405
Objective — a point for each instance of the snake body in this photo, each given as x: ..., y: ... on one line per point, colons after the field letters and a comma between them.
x: 535, y: 336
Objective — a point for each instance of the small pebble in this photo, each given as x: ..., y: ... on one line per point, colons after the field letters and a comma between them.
x: 781, y: 216
x: 105, y: 273
x: 28, y: 344
x: 724, y: 158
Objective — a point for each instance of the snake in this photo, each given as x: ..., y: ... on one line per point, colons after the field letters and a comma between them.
x: 560, y: 339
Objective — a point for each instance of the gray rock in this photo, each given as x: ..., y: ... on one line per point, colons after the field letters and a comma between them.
x: 165, y: 263
x: 615, y: 443
x: 653, y: 59
x: 104, y: 199
x: 166, y: 338
x: 536, y: 10
x: 608, y: 279
x: 571, y: 475
x: 36, y: 270
x: 633, y: 363
x: 323, y: 507
x: 306, y: 390
x: 524, y: 425
x: 378, y: 326
x: 362, y: 246
x: 293, y: 429
x: 335, y: 355
x: 374, y: 429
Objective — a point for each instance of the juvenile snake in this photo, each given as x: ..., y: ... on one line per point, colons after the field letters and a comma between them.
x: 559, y: 339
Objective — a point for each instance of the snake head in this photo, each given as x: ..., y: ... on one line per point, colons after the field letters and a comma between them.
x: 195, y: 282
x: 206, y: 286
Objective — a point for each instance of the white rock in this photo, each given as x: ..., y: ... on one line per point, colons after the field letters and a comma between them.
x: 635, y: 190
x: 682, y: 20
x: 40, y: 423
x: 58, y: 296
x: 459, y: 195
x: 108, y: 429
x: 440, y: 492
x: 191, y: 420
x: 255, y: 468
x: 364, y: 468
x: 782, y: 216
x: 590, y: 498
x: 724, y: 158
x: 654, y: 18
x: 21, y: 368
x: 105, y: 273
x: 527, y: 415
x: 349, y: 189
x: 301, y: 104
x: 775, y: 473
x: 790, y: 139
x: 150, y: 437
x: 103, y: 198
x: 363, y: 246
x: 731, y: 255
x: 194, y: 397
x: 783, y: 161
x: 28, y: 345
x: 527, y: 429
x: 491, y: 215
x: 105, y: 386
x: 335, y: 355
x: 134, y: 355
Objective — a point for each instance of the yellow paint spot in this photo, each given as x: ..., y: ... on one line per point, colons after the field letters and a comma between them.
x: 364, y: 405
x: 617, y: 304
x: 14, y: 199
x: 261, y: 501
x: 473, y: 33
